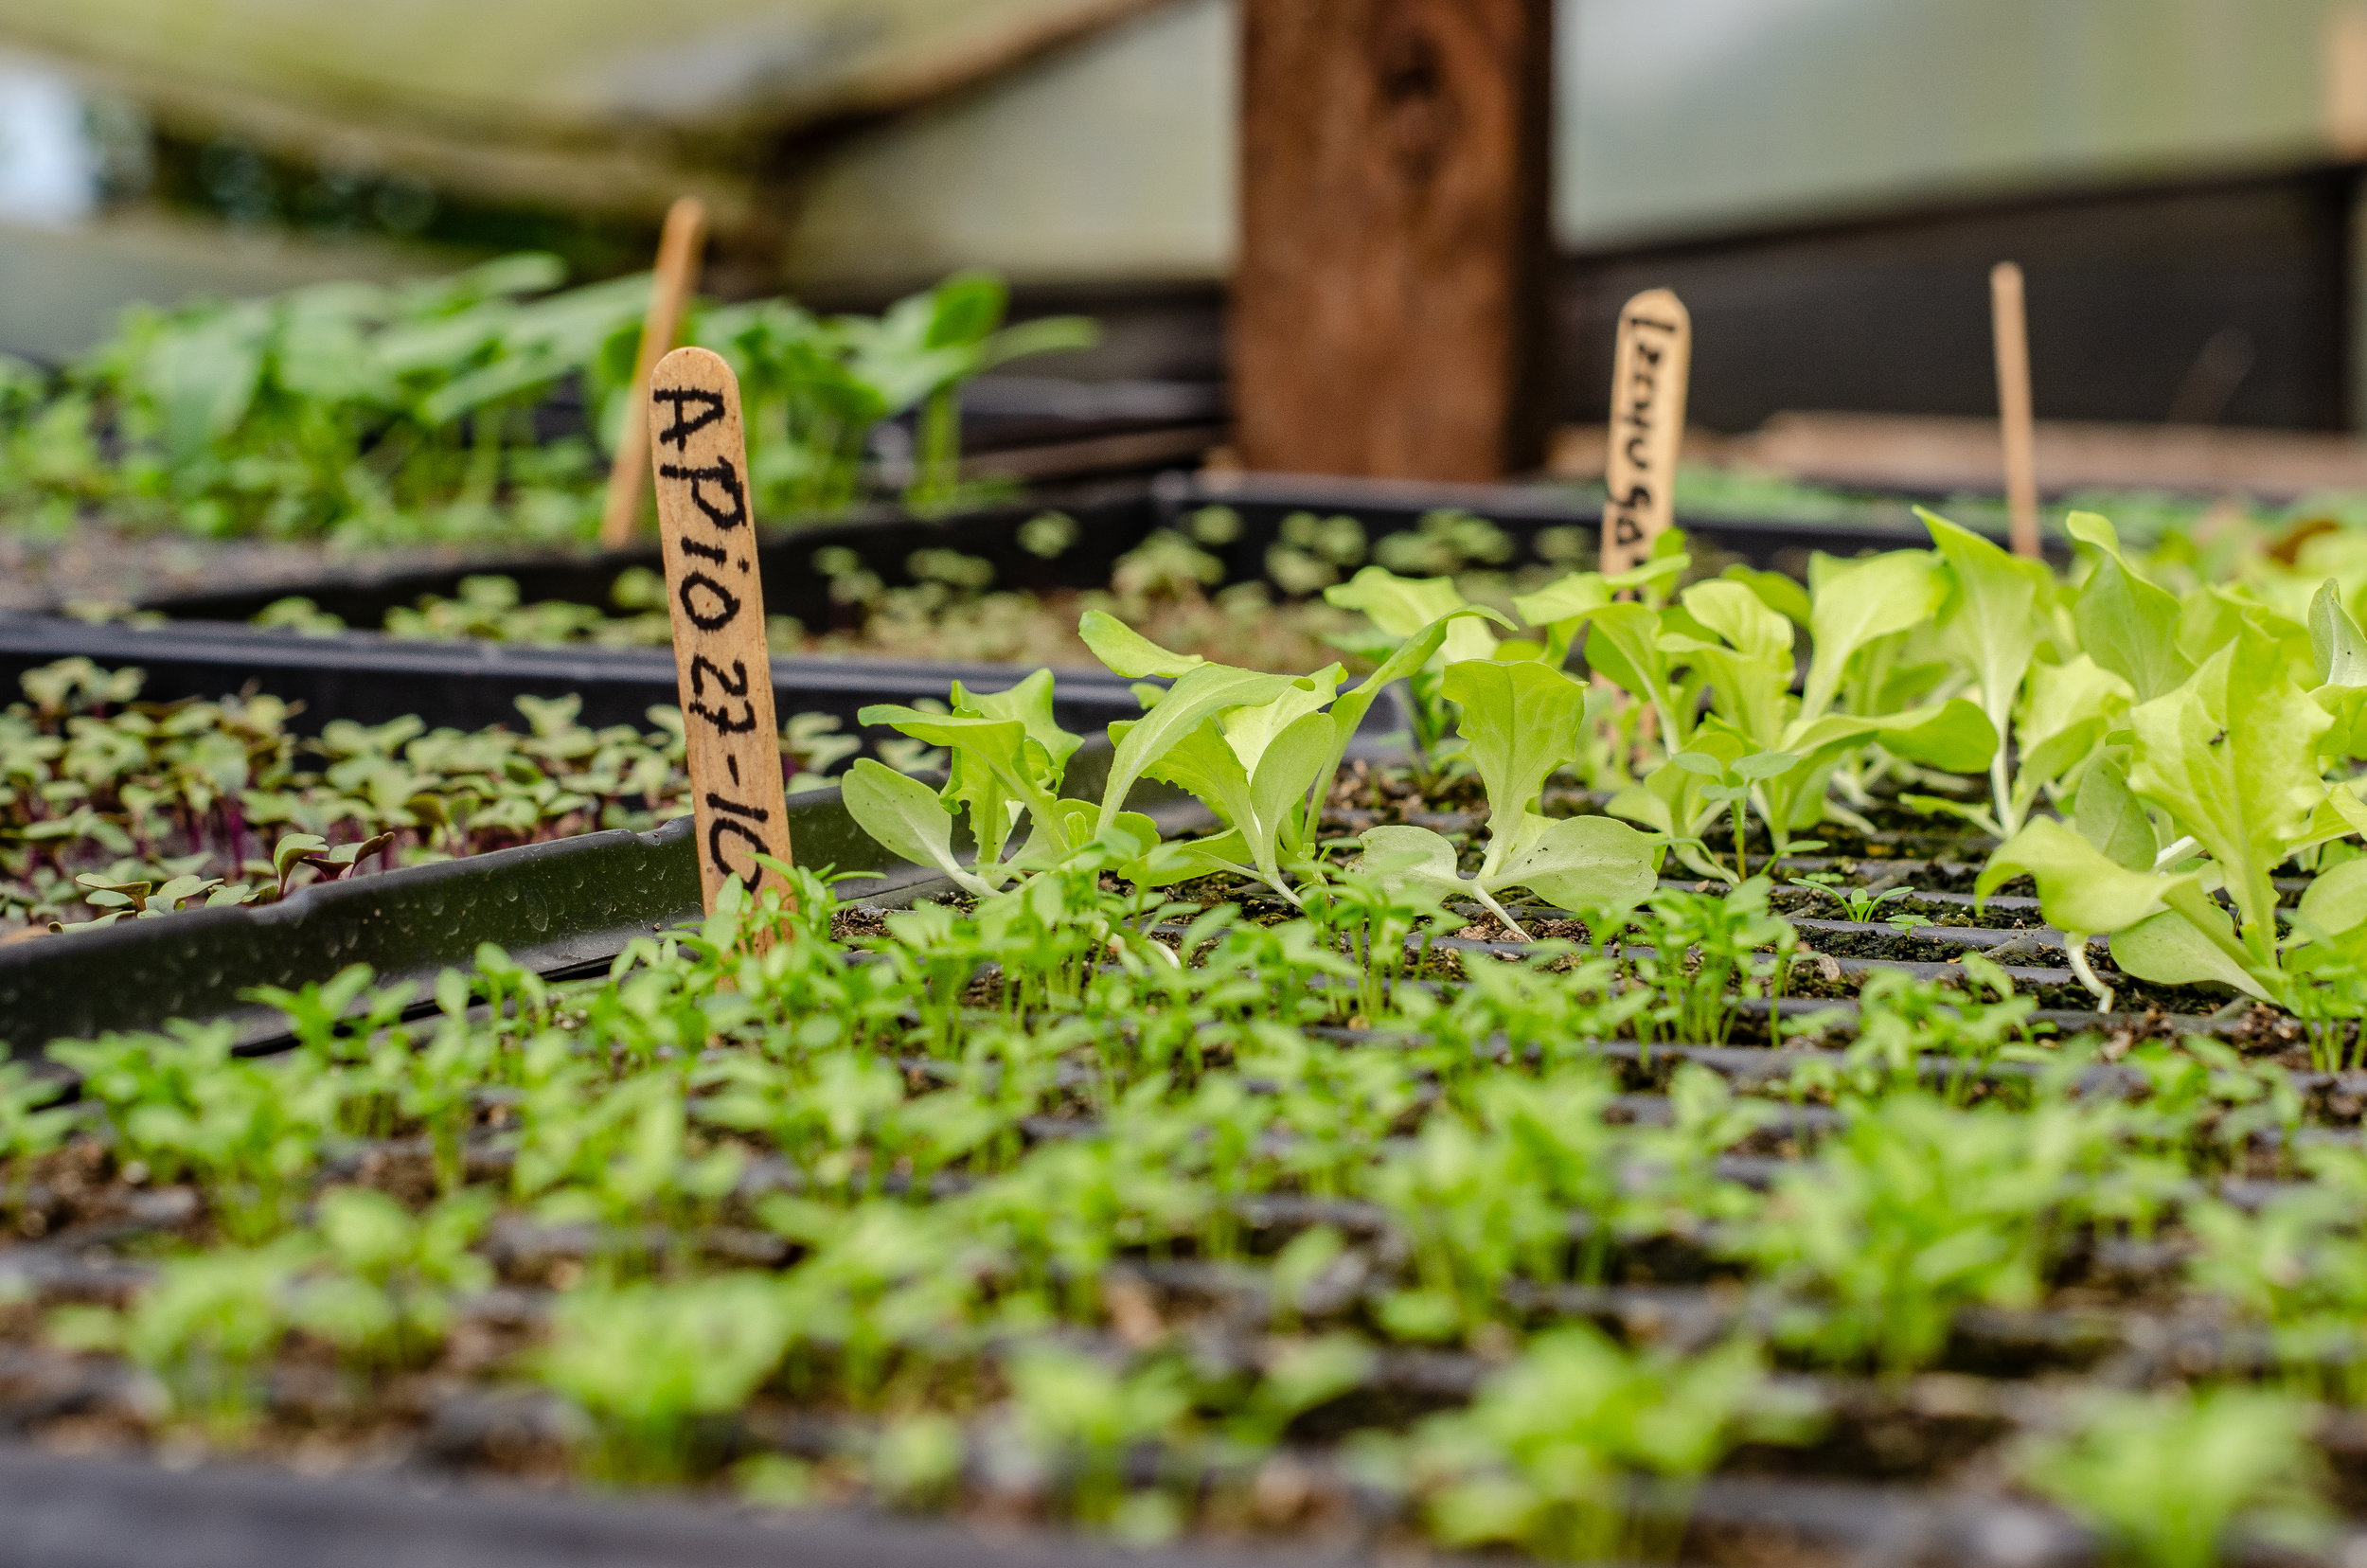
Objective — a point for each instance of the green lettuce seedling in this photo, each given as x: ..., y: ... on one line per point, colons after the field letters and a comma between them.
x: 1856, y: 604
x: 1760, y: 740
x: 1253, y: 767
x: 1521, y: 723
x: 2230, y: 757
x: 1999, y: 619
x: 1262, y: 750
x: 2127, y: 623
x: 1565, y: 606
x: 1403, y: 609
x: 1008, y: 760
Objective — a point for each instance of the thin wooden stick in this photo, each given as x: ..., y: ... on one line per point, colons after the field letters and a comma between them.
x: 707, y: 537
x: 1650, y: 370
x: 2011, y: 330
x: 669, y: 292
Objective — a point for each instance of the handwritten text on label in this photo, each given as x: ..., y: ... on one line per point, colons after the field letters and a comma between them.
x: 1649, y: 373
x: 716, y: 600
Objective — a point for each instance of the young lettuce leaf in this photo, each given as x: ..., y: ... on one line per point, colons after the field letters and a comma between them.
x: 1520, y: 722
x: 1007, y: 760
x: 907, y: 819
x: 1348, y: 710
x: 1255, y: 766
x: 1859, y: 603
x: 2232, y: 756
x: 2002, y: 602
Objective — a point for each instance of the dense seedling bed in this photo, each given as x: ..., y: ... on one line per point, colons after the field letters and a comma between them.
x: 1193, y: 586
x: 1172, y: 1215
x: 473, y: 410
x: 1749, y: 1109
x: 113, y: 809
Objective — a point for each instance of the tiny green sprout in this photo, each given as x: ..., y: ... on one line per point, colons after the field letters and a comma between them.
x: 1547, y: 1457
x: 31, y: 1125
x: 385, y: 1297
x: 916, y: 1460
x: 207, y: 1328
x: 1297, y: 1377
x: 644, y: 1360
x: 1728, y: 782
x: 1859, y: 902
x: 1084, y: 1418
x: 2166, y: 1477
x: 1917, y: 1208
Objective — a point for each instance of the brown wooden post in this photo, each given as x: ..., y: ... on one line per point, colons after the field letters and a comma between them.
x: 2009, y: 323
x: 1388, y: 313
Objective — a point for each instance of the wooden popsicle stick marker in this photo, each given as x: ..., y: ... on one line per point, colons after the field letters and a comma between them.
x: 2010, y: 324
x: 708, y: 535
x: 1649, y: 373
x: 670, y: 295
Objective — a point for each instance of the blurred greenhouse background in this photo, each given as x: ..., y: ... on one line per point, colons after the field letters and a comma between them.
x: 2180, y: 177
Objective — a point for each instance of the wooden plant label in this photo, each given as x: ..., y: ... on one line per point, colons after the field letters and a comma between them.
x: 669, y: 292
x: 708, y: 535
x: 2010, y: 324
x: 1647, y: 424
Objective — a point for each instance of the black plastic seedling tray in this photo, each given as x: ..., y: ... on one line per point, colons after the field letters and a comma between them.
x: 1111, y: 519
x: 563, y: 908
x: 1263, y: 501
x: 112, y: 1513
x: 106, y: 1513
x: 370, y: 678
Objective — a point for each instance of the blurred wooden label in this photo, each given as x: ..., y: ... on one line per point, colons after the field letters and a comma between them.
x: 707, y: 530
x: 1648, y: 423
x: 670, y: 295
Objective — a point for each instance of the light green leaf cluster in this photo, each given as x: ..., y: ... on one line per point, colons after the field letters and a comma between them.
x: 1520, y: 722
x: 1008, y: 760
x: 2213, y: 781
x: 2150, y: 757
